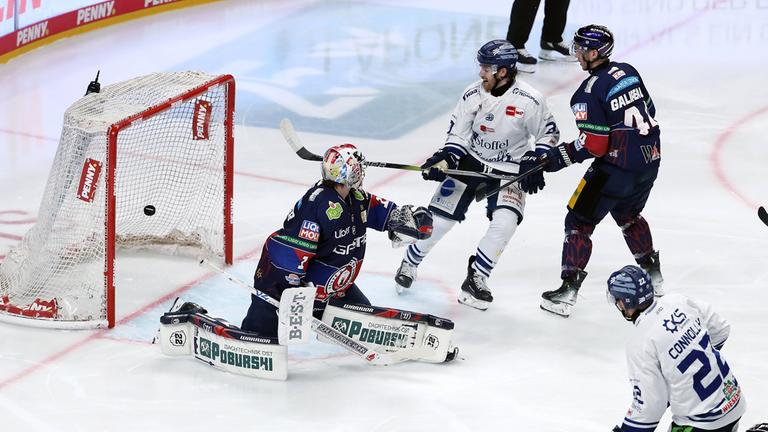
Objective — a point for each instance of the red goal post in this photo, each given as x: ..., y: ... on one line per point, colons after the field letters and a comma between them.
x: 144, y: 164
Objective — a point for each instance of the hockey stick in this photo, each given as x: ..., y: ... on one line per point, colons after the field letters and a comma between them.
x: 482, y: 193
x: 321, y: 328
x: 292, y: 138
x: 762, y: 214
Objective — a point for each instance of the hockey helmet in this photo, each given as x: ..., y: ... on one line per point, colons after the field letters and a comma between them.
x: 594, y: 37
x: 632, y: 285
x: 343, y: 164
x: 498, y: 53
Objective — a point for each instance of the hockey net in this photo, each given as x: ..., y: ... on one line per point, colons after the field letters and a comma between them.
x: 146, y: 163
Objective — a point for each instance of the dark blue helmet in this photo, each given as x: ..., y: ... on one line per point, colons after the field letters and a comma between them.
x: 632, y: 285
x: 594, y: 37
x: 499, y: 53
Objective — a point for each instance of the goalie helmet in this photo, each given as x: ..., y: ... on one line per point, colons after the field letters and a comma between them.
x: 499, y: 53
x: 594, y: 37
x: 632, y: 285
x: 343, y: 164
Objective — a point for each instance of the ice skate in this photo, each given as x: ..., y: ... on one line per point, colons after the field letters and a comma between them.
x: 474, y: 291
x: 405, y: 276
x: 652, y: 266
x: 525, y: 61
x: 556, y: 51
x: 561, y: 300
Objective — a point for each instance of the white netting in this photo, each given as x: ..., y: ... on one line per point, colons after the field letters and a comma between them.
x: 172, y: 161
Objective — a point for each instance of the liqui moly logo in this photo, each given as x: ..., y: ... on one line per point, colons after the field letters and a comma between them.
x: 201, y: 120
x: 88, y: 180
x: 32, y: 33
x: 95, y: 12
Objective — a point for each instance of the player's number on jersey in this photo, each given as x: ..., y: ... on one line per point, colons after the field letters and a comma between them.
x: 704, y: 391
x: 641, y: 121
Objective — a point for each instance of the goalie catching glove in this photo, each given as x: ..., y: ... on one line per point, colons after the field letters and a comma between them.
x: 407, y: 225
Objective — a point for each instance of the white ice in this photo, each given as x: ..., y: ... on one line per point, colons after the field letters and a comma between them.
x: 520, y: 368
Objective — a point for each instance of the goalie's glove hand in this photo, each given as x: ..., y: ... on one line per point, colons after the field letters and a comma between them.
x: 407, y: 225
x: 534, y: 181
x: 762, y: 427
x: 434, y: 167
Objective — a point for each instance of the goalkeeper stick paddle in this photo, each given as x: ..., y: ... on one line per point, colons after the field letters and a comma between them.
x: 321, y: 328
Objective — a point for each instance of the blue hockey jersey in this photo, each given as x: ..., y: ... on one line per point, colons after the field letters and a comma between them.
x: 322, y: 241
x: 615, y: 116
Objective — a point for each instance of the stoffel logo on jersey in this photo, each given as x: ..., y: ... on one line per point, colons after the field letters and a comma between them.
x: 201, y: 120
x: 88, y: 180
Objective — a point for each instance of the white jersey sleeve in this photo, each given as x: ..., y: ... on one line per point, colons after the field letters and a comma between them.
x: 672, y: 360
x: 497, y: 130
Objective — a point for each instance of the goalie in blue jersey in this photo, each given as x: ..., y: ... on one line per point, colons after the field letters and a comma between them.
x: 323, y: 239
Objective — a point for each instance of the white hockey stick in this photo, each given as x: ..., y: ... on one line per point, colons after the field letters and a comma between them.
x: 289, y: 133
x: 321, y: 328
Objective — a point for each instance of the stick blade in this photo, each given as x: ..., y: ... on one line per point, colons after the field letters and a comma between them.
x: 762, y: 214
x: 289, y: 133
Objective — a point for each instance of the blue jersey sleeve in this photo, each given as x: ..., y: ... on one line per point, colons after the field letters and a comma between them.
x: 378, y: 212
x: 293, y: 247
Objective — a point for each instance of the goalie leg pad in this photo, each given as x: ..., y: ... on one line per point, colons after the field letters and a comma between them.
x: 221, y: 345
x: 412, y: 335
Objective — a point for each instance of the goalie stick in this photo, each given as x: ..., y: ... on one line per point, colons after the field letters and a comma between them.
x: 762, y: 214
x: 292, y: 138
x: 482, y: 191
x: 321, y: 328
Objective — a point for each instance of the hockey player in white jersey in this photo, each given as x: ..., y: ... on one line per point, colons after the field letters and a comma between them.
x: 673, y: 356
x: 490, y: 131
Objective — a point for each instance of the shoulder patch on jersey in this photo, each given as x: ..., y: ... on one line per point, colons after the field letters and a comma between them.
x: 315, y: 193
x: 579, y: 111
x: 470, y: 92
x: 358, y: 195
x: 310, y: 230
x: 590, y: 83
x: 525, y: 94
x: 621, y: 85
x: 334, y: 210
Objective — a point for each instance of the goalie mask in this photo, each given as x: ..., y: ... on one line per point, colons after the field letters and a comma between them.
x: 343, y: 164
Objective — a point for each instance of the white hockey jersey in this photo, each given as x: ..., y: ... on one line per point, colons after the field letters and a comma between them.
x: 673, y: 358
x: 496, y: 130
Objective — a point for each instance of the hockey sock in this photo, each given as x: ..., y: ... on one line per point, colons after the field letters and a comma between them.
x: 637, y: 234
x: 577, y: 247
x: 416, y: 252
x: 500, y: 231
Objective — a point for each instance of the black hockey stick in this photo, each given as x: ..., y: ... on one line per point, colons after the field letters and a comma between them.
x: 482, y: 193
x: 289, y: 133
x: 762, y: 214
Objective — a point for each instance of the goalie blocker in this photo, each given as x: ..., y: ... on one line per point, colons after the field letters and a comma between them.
x: 405, y: 334
x: 189, y: 331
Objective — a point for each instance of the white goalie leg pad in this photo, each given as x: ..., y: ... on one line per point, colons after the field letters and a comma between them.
x: 222, y: 345
x: 412, y: 335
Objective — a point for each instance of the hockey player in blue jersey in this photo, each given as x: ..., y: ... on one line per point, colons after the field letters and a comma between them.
x: 615, y: 116
x: 323, y: 238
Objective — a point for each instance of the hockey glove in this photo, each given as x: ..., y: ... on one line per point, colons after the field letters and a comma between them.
x: 557, y: 158
x: 762, y: 427
x: 433, y: 168
x: 407, y: 225
x: 530, y: 164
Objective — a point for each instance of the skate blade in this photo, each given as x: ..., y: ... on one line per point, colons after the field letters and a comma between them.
x: 560, y: 309
x: 466, y: 299
x: 399, y: 289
